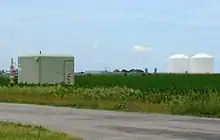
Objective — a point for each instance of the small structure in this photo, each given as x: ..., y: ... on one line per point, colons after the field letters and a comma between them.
x: 178, y: 63
x: 201, y: 63
x: 46, y: 69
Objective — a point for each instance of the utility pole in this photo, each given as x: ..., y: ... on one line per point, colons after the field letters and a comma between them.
x: 12, y: 72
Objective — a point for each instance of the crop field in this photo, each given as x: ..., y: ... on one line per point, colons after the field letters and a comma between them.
x: 173, y: 94
x: 143, y: 82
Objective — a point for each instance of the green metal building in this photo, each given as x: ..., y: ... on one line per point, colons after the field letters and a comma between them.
x: 46, y: 69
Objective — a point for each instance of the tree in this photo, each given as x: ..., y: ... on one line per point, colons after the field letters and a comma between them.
x: 124, y: 70
x: 116, y: 70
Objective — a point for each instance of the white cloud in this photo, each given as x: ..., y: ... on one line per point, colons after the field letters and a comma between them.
x: 138, y: 48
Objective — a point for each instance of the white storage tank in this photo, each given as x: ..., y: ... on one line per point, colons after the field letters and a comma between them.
x: 201, y: 63
x: 46, y: 69
x: 178, y: 63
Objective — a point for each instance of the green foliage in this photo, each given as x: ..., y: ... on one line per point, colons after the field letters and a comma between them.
x: 11, y: 131
x: 4, y: 80
x: 143, y: 82
x: 193, y: 101
x: 180, y: 94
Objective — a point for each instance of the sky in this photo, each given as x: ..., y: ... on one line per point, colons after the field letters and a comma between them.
x: 115, y: 33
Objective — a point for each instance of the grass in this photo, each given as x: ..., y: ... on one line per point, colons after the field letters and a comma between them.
x: 12, y: 131
x: 200, y: 102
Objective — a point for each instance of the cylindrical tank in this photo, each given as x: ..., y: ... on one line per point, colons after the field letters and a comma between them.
x: 201, y: 63
x: 178, y: 63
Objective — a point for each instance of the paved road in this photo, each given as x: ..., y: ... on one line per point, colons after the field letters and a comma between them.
x: 107, y: 125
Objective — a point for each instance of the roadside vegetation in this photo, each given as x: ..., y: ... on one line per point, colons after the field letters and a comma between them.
x: 173, y: 100
x: 12, y: 131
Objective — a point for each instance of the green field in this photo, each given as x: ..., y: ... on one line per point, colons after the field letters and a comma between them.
x: 143, y: 82
x: 172, y: 94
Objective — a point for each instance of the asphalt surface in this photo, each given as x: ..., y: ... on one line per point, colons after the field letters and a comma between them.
x: 109, y: 125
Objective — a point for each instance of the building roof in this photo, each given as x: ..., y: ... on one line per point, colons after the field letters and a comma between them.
x: 202, y: 55
x: 178, y: 56
x: 46, y: 55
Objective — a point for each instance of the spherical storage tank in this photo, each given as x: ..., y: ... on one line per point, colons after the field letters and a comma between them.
x: 178, y: 63
x: 201, y: 63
